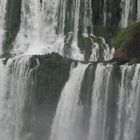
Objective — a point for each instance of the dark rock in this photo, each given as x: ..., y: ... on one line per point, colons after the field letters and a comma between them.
x: 121, y: 54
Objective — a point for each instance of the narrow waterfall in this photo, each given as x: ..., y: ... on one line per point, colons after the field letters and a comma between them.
x: 99, y: 102
x: 2, y: 22
x: 125, y: 14
x: 130, y: 11
x: 138, y: 13
x: 61, y: 75
x: 128, y: 110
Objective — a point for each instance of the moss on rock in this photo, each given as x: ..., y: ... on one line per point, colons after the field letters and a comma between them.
x: 127, y: 43
x: 128, y: 37
x: 52, y: 73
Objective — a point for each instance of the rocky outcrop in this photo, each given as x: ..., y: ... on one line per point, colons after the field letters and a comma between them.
x: 127, y: 54
x: 121, y: 54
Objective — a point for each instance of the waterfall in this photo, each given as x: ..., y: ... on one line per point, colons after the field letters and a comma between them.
x: 114, y: 108
x: 50, y: 26
x: 37, y: 30
x: 130, y: 11
x: 99, y: 101
x: 105, y: 13
x: 87, y: 17
x: 41, y: 96
x: 14, y: 81
x: 2, y: 22
x: 127, y: 128
x: 125, y: 4
x: 138, y: 10
x: 68, y: 112
x: 102, y: 51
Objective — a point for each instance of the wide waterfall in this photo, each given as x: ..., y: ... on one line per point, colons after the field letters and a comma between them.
x: 59, y: 75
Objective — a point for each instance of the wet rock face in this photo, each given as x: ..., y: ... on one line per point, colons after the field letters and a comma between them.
x: 51, y: 72
x: 13, y: 19
x: 134, y: 50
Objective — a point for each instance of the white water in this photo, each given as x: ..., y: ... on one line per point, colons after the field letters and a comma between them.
x: 138, y: 10
x: 125, y: 5
x: 105, y: 12
x: 126, y: 98
x: 128, y: 103
x: 87, y: 16
x: 2, y: 22
x: 69, y: 110
x: 38, y: 35
x: 14, y: 79
x: 39, y: 21
x: 37, y: 31
x: 103, y: 48
x: 99, y: 101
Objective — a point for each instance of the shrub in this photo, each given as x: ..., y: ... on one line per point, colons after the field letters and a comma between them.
x: 127, y: 36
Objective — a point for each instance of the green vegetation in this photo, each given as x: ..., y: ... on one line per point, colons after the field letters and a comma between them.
x: 133, y: 61
x: 128, y: 37
x: 84, y: 42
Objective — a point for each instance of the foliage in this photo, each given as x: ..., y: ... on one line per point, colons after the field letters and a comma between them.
x: 133, y: 61
x: 127, y: 36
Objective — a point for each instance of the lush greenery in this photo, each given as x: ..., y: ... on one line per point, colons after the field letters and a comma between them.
x: 128, y: 37
x: 133, y: 61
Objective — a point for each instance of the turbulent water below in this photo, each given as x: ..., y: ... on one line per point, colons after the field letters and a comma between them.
x: 98, y: 102
x: 55, y: 97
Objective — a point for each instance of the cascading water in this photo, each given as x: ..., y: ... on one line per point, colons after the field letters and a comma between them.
x: 125, y: 12
x: 44, y: 26
x: 102, y: 51
x: 114, y: 108
x: 39, y: 23
x: 37, y: 30
x: 2, y: 22
x: 138, y: 8
x: 99, y: 101
x: 128, y: 7
x: 69, y: 111
x: 14, y: 88
x: 127, y: 128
